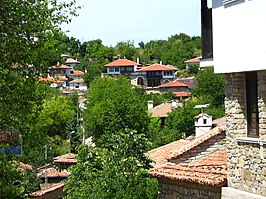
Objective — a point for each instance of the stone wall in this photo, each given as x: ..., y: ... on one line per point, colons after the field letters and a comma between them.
x: 246, y: 157
x: 173, y: 190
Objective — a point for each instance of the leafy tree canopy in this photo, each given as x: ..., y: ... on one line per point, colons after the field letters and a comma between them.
x: 210, y: 87
x: 113, y: 105
x: 118, y: 170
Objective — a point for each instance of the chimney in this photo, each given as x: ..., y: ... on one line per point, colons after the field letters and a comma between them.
x: 138, y: 60
x: 161, y: 62
x: 173, y: 103
x: 150, y: 104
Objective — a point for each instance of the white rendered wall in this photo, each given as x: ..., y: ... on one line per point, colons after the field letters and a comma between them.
x: 239, y: 35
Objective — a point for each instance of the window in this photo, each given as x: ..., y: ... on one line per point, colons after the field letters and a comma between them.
x: 168, y: 73
x: 252, y: 116
x: 204, y: 121
x: 111, y: 69
x: 206, y: 30
x: 116, y: 69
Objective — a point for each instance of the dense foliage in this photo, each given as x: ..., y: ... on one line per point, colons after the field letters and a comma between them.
x: 117, y: 170
x: 210, y: 87
x: 174, y: 51
x: 29, y: 32
x: 113, y: 105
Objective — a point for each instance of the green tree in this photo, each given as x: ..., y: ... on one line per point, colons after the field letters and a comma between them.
x: 28, y: 32
x: 112, y: 106
x: 182, y: 119
x: 14, y: 183
x: 94, y: 70
x: 210, y: 87
x: 125, y: 50
x: 118, y: 170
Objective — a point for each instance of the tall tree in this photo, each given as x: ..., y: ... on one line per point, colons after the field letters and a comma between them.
x: 125, y: 50
x: 113, y: 106
x: 28, y: 30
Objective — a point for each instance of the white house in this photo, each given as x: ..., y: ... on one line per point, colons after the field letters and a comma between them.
x: 121, y: 66
x: 234, y: 42
x: 153, y: 75
x: 77, y: 84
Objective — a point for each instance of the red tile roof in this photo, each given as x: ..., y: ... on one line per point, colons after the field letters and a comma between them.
x: 159, y: 155
x: 49, y: 189
x: 46, y: 79
x: 77, y: 73
x: 219, y: 121
x: 158, y: 67
x: 24, y: 167
x: 54, y: 173
x: 162, y: 110
x: 61, y: 67
x: 67, y: 158
x: 181, y: 94
x: 209, y: 170
x: 194, y: 60
x: 122, y: 62
x: 204, y: 137
x: 173, y: 84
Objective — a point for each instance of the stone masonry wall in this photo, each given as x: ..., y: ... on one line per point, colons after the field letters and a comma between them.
x: 246, y: 161
x: 173, y: 190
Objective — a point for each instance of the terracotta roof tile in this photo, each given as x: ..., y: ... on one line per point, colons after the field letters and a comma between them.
x: 75, y: 81
x: 204, y: 137
x: 77, y: 73
x: 210, y: 170
x: 181, y: 94
x: 173, y: 84
x: 46, y: 79
x: 194, y: 60
x: 189, y: 81
x: 67, y: 158
x: 122, y: 62
x: 162, y: 110
x: 51, y: 188
x: 61, y: 67
x: 158, y: 67
x: 54, y: 173
x: 24, y: 167
x: 219, y: 121
x: 159, y: 155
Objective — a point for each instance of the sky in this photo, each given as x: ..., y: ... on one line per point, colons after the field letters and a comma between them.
x: 114, y: 21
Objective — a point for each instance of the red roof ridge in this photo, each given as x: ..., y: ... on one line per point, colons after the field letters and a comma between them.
x: 193, y: 60
x: 158, y: 67
x: 173, y: 84
x: 197, y: 141
x: 123, y: 62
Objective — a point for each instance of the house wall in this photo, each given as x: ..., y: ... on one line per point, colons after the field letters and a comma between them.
x: 238, y: 35
x: 175, y: 89
x: 174, y: 190
x: 247, y: 158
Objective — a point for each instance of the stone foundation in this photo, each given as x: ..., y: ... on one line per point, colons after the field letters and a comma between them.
x: 173, y: 190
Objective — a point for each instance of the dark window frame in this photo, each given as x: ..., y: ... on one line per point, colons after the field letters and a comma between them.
x: 252, y: 112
